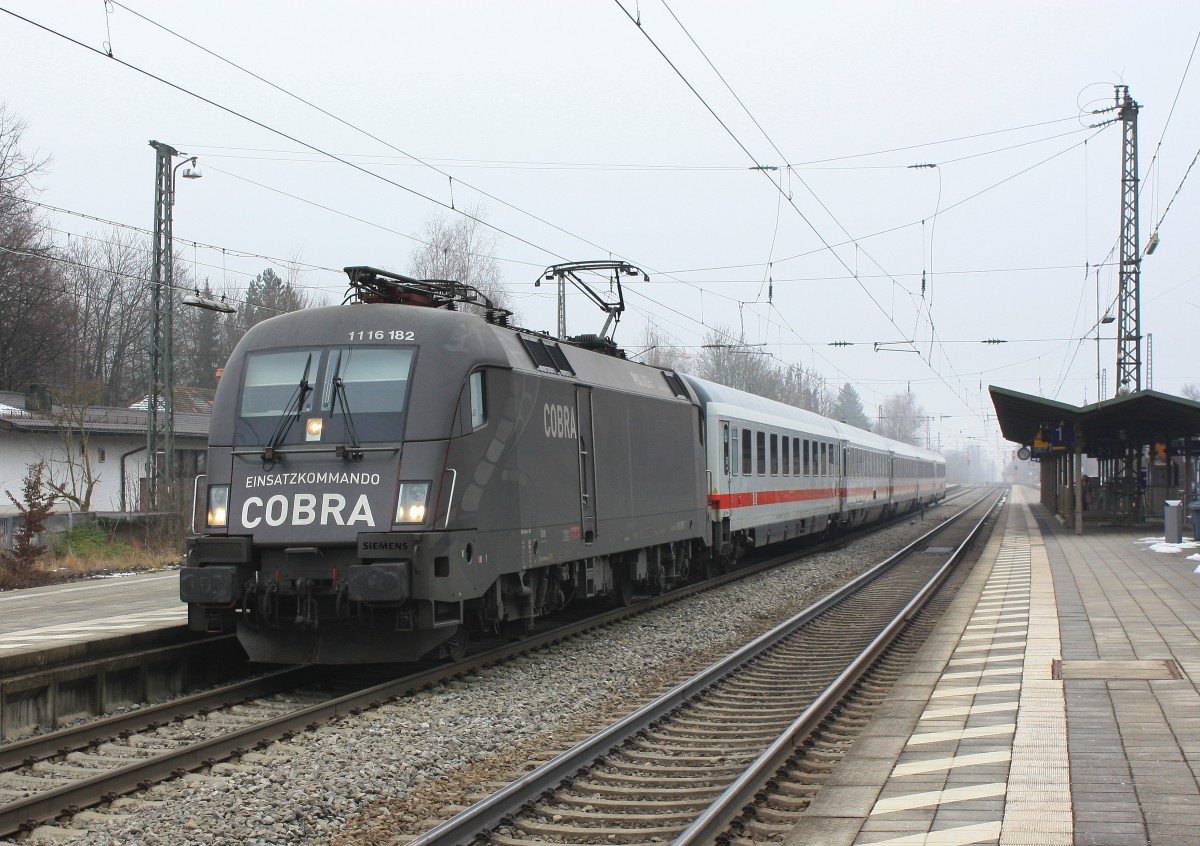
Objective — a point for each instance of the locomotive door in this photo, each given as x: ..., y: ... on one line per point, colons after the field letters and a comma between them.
x: 587, y: 463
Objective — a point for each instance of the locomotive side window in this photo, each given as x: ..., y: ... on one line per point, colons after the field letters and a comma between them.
x: 478, y: 408
x: 774, y: 454
x: 747, y: 453
x: 760, y: 442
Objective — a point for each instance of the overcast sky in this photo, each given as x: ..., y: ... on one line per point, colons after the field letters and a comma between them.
x: 591, y: 144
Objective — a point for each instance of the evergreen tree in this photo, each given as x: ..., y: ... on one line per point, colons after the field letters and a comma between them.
x: 849, y: 408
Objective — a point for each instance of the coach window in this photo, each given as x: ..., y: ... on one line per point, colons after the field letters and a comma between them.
x: 787, y: 455
x: 760, y: 444
x: 734, y: 455
x: 823, y: 464
x: 795, y: 456
x: 807, y: 465
x: 774, y: 454
x: 747, y: 453
x: 725, y: 445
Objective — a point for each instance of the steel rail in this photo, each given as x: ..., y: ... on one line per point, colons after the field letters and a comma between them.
x: 474, y: 822
x: 717, y: 817
x: 63, y: 741
x: 26, y: 813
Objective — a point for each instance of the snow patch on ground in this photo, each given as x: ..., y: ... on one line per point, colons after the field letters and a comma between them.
x: 1160, y: 545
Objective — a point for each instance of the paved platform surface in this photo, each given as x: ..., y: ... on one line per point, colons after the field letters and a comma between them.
x: 38, y: 619
x: 1055, y: 703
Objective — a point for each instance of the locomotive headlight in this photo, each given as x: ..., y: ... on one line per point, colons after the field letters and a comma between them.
x: 314, y: 428
x: 411, y: 502
x: 218, y: 506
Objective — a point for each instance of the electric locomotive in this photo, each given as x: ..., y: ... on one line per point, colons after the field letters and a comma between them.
x: 389, y: 476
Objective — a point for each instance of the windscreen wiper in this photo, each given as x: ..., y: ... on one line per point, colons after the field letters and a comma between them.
x: 269, y: 452
x: 339, y: 395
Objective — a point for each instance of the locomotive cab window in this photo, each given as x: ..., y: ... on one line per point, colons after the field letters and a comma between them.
x: 305, y: 395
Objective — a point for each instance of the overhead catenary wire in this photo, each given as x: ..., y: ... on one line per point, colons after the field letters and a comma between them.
x: 373, y: 137
x: 758, y: 165
x: 260, y: 124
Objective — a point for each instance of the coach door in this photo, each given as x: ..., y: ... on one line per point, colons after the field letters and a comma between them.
x: 587, y: 463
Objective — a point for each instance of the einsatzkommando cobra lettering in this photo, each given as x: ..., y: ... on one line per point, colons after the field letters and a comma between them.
x: 331, y: 477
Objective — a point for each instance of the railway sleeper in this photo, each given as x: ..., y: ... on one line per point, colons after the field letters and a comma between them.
x: 635, y: 814
x: 609, y: 834
x: 637, y: 792
x: 124, y: 752
x: 631, y: 779
x: 661, y: 756
x: 587, y: 803
x: 797, y: 787
x: 686, y: 726
x: 28, y: 782
x: 761, y: 729
x: 70, y: 770
x: 790, y: 803
x: 738, y: 703
x: 763, y: 830
x: 711, y: 773
x: 723, y: 741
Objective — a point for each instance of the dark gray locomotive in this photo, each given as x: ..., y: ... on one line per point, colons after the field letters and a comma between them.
x: 387, y: 478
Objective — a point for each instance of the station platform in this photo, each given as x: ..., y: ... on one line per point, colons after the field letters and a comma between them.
x: 1055, y: 703
x: 73, y: 621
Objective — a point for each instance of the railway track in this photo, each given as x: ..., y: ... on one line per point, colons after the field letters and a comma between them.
x: 693, y: 763
x: 44, y: 777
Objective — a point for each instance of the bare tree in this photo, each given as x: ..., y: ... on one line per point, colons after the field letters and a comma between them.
x: 1191, y: 391
x: 462, y: 249
x: 903, y: 419
x: 31, y: 320
x: 108, y: 340
x: 657, y: 350
x: 73, y: 476
x: 746, y: 368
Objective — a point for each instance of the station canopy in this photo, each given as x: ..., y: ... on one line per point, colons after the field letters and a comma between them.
x: 1108, y: 427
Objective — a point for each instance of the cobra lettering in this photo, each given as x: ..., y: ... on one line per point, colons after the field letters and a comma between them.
x: 559, y: 421
x: 302, y: 510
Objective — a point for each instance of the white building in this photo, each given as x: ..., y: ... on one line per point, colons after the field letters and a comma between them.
x: 32, y: 431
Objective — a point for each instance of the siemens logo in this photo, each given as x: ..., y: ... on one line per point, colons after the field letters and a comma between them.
x: 559, y: 421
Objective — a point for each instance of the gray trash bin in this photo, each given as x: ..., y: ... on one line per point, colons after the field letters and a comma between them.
x: 1173, y: 520
x: 1194, y: 512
